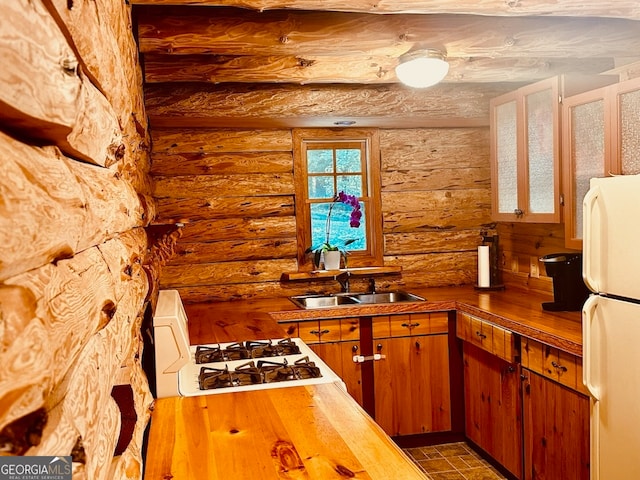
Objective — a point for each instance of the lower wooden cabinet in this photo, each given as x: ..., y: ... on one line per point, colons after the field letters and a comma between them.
x: 556, y: 430
x: 407, y: 389
x: 412, y: 385
x: 493, y: 412
x: 339, y: 357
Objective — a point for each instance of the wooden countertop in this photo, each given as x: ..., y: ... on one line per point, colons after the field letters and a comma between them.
x: 516, y: 310
x: 314, y: 432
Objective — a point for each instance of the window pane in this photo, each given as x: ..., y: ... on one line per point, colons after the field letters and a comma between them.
x: 348, y: 160
x: 350, y: 184
x: 320, y: 161
x: 339, y: 231
x: 321, y: 186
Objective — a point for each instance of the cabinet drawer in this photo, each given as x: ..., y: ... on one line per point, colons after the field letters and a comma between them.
x: 409, y: 324
x: 489, y: 337
x: 553, y: 363
x: 334, y: 330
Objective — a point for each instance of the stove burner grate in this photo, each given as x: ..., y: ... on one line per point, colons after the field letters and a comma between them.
x: 246, y: 350
x: 266, y: 371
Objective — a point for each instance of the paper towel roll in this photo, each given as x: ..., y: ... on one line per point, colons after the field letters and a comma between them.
x: 484, y: 271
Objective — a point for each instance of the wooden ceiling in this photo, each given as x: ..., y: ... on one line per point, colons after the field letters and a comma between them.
x: 244, y: 52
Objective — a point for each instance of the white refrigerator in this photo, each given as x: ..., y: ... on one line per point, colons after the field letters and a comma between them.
x: 611, y: 325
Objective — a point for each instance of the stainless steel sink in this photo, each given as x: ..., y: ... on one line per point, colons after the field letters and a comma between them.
x: 334, y: 300
x: 320, y: 301
x: 388, y: 297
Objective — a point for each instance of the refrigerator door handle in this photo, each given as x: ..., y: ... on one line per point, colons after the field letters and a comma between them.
x: 589, y: 345
x: 590, y: 204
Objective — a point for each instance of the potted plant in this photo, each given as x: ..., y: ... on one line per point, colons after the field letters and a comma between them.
x: 327, y: 249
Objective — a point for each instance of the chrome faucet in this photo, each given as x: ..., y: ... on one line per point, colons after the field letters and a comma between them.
x: 343, y: 280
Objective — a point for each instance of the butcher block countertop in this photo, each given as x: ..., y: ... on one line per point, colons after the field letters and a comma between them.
x: 312, y: 432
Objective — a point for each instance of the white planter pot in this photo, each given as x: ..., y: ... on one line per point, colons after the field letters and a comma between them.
x: 332, y: 260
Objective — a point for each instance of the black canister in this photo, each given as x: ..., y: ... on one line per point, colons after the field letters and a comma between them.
x: 569, y: 290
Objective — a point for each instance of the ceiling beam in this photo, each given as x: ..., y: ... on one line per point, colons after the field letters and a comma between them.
x: 349, y: 69
x: 202, y: 30
x: 561, y: 8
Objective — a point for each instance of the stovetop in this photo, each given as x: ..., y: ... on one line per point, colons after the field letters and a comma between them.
x: 252, y: 365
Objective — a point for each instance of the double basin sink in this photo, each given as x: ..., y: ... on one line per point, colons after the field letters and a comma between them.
x: 337, y: 299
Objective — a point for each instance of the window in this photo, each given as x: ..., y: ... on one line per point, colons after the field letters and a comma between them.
x: 327, y: 162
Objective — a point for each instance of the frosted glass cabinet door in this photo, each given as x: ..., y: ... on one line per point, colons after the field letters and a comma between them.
x: 540, y: 151
x: 629, y: 131
x: 525, y: 154
x: 507, y: 157
x: 585, y: 152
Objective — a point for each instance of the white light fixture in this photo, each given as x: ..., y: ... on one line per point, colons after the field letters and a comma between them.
x: 422, y: 68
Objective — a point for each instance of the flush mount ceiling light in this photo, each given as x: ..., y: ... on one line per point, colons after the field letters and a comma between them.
x: 422, y: 68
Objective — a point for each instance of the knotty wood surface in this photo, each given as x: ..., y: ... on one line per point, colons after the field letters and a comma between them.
x: 309, y: 432
x: 314, y: 432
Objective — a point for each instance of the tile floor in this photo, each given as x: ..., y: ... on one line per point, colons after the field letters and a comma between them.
x: 453, y: 461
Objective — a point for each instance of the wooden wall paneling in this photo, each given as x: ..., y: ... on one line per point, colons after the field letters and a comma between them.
x: 433, y: 270
x: 431, y: 241
x: 196, y: 163
x: 230, y: 250
x: 72, y: 300
x: 171, y: 210
x: 63, y: 205
x: 40, y: 95
x: 410, y: 150
x: 442, y: 178
x: 238, y: 229
x: 180, y: 140
x: 225, y: 272
x: 51, y: 100
x: 223, y: 185
x: 436, y: 210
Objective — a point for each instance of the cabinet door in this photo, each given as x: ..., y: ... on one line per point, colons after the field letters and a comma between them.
x: 556, y: 426
x: 626, y: 127
x: 525, y: 154
x: 586, y: 153
x: 339, y: 357
x: 492, y: 406
x: 412, y: 392
x: 541, y: 157
x: 504, y: 148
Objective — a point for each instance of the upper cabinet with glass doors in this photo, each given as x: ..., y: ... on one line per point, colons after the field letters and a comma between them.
x: 525, y: 154
x: 601, y: 134
x: 525, y: 149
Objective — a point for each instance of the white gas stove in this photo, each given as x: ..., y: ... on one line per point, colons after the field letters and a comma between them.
x: 192, y: 370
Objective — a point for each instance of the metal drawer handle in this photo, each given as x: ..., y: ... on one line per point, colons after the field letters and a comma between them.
x: 410, y: 325
x: 557, y: 366
x: 319, y: 332
x: 481, y: 335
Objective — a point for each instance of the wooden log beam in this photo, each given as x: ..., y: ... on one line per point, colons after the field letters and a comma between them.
x: 60, y: 205
x: 320, y: 105
x: 62, y: 307
x: 367, y: 69
x: 436, y: 210
x: 585, y: 8
x: 183, y: 210
x: 198, y: 30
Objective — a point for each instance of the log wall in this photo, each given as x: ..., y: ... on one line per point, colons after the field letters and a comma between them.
x: 233, y: 191
x: 75, y: 198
